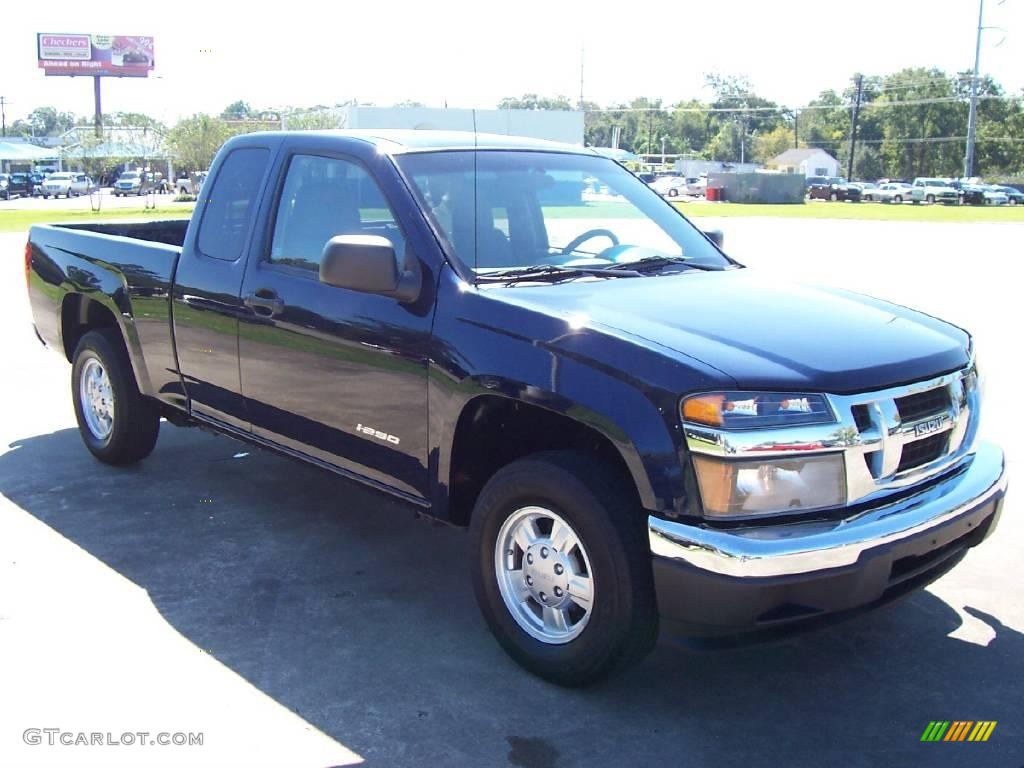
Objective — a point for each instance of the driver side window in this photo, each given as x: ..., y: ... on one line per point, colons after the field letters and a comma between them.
x: 324, y: 197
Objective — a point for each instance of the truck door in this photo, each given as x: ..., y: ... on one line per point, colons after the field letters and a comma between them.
x: 208, y: 285
x: 334, y: 374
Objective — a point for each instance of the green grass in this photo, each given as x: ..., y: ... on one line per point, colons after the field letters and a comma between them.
x: 21, y: 220
x: 865, y: 211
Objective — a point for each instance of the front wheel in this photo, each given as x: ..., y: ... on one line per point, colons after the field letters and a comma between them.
x: 117, y: 423
x: 561, y: 567
x: 898, y: 199
x: 930, y: 199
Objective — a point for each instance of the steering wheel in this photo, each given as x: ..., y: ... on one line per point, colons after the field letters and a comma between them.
x: 578, y: 241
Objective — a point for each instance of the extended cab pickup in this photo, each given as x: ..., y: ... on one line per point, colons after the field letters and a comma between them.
x: 638, y: 431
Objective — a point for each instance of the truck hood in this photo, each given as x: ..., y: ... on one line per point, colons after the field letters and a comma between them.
x: 761, y: 331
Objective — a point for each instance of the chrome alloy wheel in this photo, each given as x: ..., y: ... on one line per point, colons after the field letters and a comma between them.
x: 96, y: 398
x: 544, y: 575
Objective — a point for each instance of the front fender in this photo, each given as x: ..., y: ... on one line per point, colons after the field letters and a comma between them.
x: 624, y: 389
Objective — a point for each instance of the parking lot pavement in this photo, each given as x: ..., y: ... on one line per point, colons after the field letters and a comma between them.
x: 107, y: 201
x: 297, y: 620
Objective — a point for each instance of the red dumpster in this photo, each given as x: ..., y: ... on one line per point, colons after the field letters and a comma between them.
x: 713, y: 194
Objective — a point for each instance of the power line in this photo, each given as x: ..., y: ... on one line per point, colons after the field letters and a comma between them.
x: 809, y: 107
x: 931, y: 140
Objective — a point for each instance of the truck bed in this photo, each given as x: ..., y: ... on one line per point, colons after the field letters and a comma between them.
x: 169, y: 232
x: 127, y: 269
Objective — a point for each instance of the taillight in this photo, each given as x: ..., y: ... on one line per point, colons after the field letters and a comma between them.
x: 28, y: 262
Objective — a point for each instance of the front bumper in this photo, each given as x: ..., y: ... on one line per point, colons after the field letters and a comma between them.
x: 713, y: 581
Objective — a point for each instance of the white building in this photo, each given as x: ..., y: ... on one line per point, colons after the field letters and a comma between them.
x: 554, y: 125
x: 809, y: 162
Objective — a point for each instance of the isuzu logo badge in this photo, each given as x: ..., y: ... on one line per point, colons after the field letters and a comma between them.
x: 932, y: 425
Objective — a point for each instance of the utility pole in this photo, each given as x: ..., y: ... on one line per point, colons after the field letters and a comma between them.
x: 582, y: 49
x: 650, y: 134
x: 972, y: 116
x: 3, y: 115
x: 796, y: 129
x: 853, y: 126
x: 99, y: 108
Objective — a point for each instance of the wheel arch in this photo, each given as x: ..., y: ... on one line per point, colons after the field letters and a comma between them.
x: 80, y: 314
x: 492, y: 430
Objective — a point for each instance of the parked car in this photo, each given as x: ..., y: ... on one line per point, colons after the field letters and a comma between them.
x: 646, y: 178
x: 891, y: 192
x: 67, y: 184
x: 638, y: 432
x: 134, y: 183
x: 928, y: 190
x: 38, y: 179
x: 15, y: 185
x: 672, y: 186
x: 867, y: 189
x: 834, y: 188
x: 1013, y: 196
x: 190, y: 185
x: 815, y: 181
x: 994, y: 195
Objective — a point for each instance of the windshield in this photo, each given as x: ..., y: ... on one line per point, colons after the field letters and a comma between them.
x: 129, y: 175
x: 60, y: 176
x: 507, y: 209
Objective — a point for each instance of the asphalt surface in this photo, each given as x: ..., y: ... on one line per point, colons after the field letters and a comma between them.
x: 297, y: 620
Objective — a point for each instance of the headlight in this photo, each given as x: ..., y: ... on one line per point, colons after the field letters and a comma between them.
x: 755, y: 410
x: 731, y: 488
x: 742, y: 487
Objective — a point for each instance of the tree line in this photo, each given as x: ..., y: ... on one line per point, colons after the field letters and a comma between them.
x: 909, y: 123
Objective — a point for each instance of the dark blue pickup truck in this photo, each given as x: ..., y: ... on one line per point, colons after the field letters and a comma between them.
x: 521, y: 338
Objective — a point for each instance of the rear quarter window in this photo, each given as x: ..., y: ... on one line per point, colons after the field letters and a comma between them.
x: 230, y: 204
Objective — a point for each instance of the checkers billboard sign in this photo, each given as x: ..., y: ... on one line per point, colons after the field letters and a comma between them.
x: 110, y: 55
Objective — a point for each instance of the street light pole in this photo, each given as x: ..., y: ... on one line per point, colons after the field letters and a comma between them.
x: 972, y: 117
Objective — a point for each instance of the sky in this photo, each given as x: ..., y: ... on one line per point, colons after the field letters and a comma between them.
x: 299, y: 53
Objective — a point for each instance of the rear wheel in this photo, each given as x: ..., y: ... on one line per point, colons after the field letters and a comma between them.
x: 117, y: 423
x: 930, y: 199
x: 833, y: 197
x: 561, y: 567
x: 898, y: 199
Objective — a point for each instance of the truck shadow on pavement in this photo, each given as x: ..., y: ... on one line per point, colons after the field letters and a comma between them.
x: 333, y: 601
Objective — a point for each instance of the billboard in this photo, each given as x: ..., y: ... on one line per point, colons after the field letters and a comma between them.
x: 110, y: 55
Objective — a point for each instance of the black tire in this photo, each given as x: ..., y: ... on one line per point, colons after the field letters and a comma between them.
x: 930, y: 199
x: 136, y: 420
x: 898, y: 199
x: 673, y: 193
x: 833, y: 197
x: 599, y: 506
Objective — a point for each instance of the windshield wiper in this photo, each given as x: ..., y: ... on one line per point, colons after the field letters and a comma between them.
x: 656, y: 262
x: 551, y: 272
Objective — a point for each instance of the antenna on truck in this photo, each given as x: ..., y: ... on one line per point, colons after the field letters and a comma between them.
x: 476, y: 221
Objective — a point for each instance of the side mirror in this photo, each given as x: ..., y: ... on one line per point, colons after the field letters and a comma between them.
x: 716, y: 236
x: 367, y: 263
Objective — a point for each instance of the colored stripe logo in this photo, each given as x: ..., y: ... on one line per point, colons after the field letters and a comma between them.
x: 958, y: 730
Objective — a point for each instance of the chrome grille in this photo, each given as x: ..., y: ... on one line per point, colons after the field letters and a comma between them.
x: 901, y: 436
x: 921, y: 404
x: 923, y: 451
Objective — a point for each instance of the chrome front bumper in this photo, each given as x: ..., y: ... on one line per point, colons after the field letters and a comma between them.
x: 803, y: 548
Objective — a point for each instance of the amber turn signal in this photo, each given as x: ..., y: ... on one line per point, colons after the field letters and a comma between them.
x: 704, y: 409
